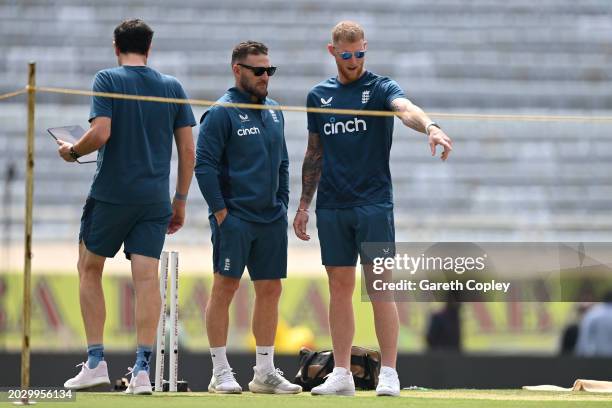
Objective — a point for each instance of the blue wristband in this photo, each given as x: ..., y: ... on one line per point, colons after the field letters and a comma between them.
x: 179, y: 196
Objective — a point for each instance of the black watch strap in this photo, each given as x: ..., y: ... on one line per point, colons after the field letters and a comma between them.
x: 429, y: 126
x: 73, y: 153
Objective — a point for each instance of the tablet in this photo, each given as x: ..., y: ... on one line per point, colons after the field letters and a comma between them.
x: 72, y: 134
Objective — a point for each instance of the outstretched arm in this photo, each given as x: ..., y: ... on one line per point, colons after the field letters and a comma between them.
x: 413, y: 117
x: 311, y: 174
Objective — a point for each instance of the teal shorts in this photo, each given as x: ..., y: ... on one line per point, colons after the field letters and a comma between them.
x: 343, y: 231
x: 261, y: 247
x: 141, y: 229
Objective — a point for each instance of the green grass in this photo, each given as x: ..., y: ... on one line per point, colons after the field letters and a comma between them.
x: 412, y: 399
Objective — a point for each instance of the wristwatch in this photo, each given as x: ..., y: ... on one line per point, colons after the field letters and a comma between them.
x: 430, y: 125
x: 73, y: 153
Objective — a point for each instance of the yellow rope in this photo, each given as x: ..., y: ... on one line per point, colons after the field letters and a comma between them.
x: 203, y: 102
x: 13, y: 94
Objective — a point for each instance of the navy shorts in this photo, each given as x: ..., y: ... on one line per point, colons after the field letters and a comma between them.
x: 140, y: 228
x: 342, y: 231
x: 261, y: 247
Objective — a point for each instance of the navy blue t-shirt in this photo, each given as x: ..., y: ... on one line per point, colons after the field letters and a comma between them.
x: 134, y: 165
x: 356, y: 149
x: 241, y: 160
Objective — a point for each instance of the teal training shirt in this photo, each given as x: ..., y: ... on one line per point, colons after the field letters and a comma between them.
x: 134, y: 165
x: 241, y: 160
x: 356, y: 149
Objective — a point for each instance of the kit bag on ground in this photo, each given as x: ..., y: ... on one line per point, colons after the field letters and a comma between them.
x: 315, y: 365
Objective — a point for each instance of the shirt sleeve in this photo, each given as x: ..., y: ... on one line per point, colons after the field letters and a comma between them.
x: 392, y: 91
x: 215, y: 129
x: 313, y: 123
x: 101, y: 106
x: 283, y: 175
x: 184, y: 116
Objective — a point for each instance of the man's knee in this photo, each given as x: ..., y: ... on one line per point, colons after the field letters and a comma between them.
x: 268, y: 289
x: 89, y: 270
x: 89, y: 265
x: 144, y: 269
x: 224, y: 288
x: 341, y: 282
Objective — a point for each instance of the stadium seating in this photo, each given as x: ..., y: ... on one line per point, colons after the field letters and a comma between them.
x: 508, y: 180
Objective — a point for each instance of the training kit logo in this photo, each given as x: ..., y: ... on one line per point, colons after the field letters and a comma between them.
x: 226, y: 266
x: 365, y: 96
x: 248, y: 131
x: 274, y: 117
x: 326, y: 102
x: 350, y: 126
x: 243, y: 118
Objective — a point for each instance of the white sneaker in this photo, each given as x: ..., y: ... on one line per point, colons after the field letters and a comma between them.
x: 223, y: 382
x: 388, y: 382
x: 89, y: 377
x: 140, y: 384
x: 336, y: 383
x: 272, y: 382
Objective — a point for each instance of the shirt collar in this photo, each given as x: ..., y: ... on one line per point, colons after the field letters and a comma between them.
x: 359, y: 80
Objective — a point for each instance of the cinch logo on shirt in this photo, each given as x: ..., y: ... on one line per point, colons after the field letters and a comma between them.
x: 351, y: 126
x: 249, y: 131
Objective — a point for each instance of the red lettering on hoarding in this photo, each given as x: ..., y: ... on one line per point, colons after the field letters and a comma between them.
x: 200, y: 296
x: 311, y: 307
x: 242, y: 306
x: 483, y: 316
x: 46, y: 300
x: 544, y: 319
x: 515, y: 316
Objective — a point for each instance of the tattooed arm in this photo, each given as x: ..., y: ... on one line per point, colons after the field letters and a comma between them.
x: 414, y: 117
x: 311, y: 174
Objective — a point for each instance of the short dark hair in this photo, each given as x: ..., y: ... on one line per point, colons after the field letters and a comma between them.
x: 246, y: 48
x: 133, y: 36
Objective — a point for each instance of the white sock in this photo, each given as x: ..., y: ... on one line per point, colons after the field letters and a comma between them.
x: 264, y: 358
x: 389, y: 369
x: 341, y: 371
x: 219, y: 358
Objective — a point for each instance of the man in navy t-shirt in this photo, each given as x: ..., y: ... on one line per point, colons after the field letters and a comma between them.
x: 348, y: 160
x: 129, y: 201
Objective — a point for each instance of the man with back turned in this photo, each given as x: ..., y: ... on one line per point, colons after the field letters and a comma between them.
x: 129, y: 201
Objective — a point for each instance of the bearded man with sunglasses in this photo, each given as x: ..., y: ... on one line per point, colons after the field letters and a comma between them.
x: 348, y: 160
x: 242, y: 168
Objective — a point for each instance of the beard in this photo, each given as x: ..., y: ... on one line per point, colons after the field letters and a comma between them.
x: 260, y: 92
x: 351, y: 75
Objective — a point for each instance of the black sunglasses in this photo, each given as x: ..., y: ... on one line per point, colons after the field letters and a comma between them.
x: 259, y: 71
